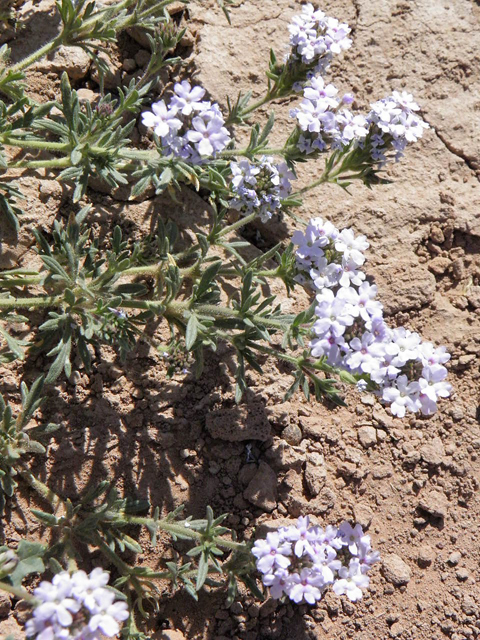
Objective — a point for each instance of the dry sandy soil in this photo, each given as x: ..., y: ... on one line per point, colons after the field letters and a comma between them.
x: 413, y: 482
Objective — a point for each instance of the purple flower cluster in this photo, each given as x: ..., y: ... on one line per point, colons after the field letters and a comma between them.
x: 76, y: 607
x: 302, y: 561
x: 321, y: 121
x: 260, y: 187
x: 350, y: 331
x: 190, y: 128
x: 391, y: 124
x: 395, y: 124
x: 314, y: 38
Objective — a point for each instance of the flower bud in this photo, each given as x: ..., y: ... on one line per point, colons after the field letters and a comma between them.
x: 8, y: 561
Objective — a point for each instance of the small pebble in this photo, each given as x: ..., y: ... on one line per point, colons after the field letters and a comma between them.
x: 462, y: 574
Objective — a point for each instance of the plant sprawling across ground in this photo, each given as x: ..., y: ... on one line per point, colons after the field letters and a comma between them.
x: 205, y: 288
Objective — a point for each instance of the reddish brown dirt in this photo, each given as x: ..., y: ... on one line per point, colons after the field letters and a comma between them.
x: 183, y: 441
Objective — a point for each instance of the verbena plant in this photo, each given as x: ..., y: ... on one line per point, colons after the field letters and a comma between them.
x: 96, y: 291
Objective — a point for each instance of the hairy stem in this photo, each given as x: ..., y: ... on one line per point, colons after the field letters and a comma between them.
x: 178, y: 309
x: 323, y: 178
x: 41, y: 488
x: 178, y: 529
x: 18, y: 592
x: 237, y: 225
x: 62, y: 38
x: 36, y: 55
x: 31, y: 303
x: 54, y: 163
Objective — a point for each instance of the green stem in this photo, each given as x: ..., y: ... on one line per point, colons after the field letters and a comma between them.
x: 256, y: 105
x: 30, y: 303
x: 41, y: 488
x: 237, y: 225
x: 18, y: 592
x: 25, y: 143
x: 105, y: 549
x: 182, y: 530
x: 62, y: 38
x: 147, y: 270
x: 232, y: 153
x: 323, y: 178
x: 36, y: 55
x: 122, y: 566
x: 278, y: 354
x: 177, y: 309
x: 19, y: 282
x: 54, y: 163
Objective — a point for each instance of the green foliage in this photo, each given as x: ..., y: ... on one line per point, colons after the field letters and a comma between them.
x: 16, y: 565
x: 16, y: 439
x: 95, y: 289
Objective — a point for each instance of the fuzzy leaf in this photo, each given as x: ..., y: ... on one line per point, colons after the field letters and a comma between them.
x: 192, y: 331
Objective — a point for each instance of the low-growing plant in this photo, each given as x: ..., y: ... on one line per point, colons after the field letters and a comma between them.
x: 110, y: 290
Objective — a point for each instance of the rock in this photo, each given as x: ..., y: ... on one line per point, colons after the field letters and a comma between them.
x: 11, y: 628
x: 436, y: 234
x: 473, y: 297
x: 87, y: 95
x: 323, y: 502
x: 466, y: 360
x: 363, y: 514
x: 433, y: 452
x: 292, y: 434
x: 469, y: 607
x: 142, y: 57
x: 129, y: 65
x: 439, y: 265
x: 282, y: 456
x: 405, y: 284
x: 262, y: 489
x: 458, y: 269
x: 5, y: 604
x: 435, y: 503
x: 74, y: 60
x: 395, y: 570
x: 382, y: 418
x: 268, y: 607
x: 396, y: 630
x: 111, y: 78
x: 22, y: 611
x: 426, y: 555
x: 239, y: 423
x: 312, y: 427
x: 367, y: 436
x: 170, y: 634
x: 454, y: 558
x: 315, y: 476
x: 351, y: 470
x: 382, y: 471
x: 462, y: 574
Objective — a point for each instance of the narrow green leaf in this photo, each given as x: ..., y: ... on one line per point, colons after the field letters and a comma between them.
x: 191, y: 332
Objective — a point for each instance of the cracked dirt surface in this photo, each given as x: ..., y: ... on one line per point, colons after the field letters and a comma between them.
x: 183, y: 441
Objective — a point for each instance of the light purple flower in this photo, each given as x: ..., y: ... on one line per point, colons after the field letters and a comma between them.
x: 272, y: 553
x: 351, y: 582
x: 352, y: 246
x: 353, y: 537
x: 305, y: 586
x: 186, y: 98
x: 108, y: 614
x: 278, y: 582
x: 207, y: 135
x: 402, y: 395
x: 432, y: 383
x: 162, y: 119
